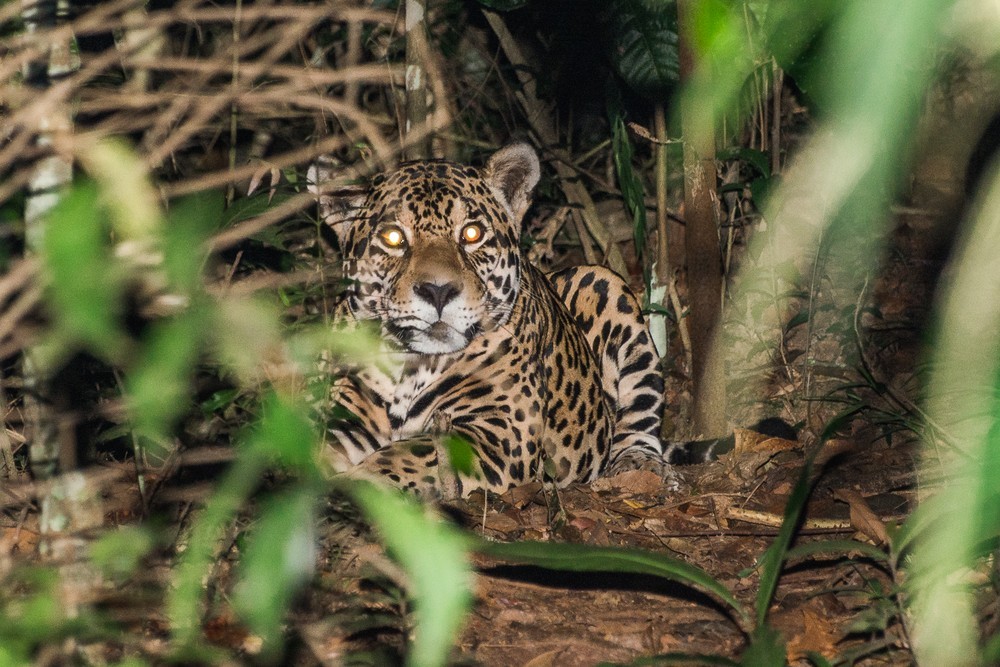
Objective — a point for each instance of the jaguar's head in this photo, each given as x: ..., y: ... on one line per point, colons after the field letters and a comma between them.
x: 432, y: 248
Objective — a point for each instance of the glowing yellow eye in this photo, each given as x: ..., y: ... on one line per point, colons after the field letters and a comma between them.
x: 393, y: 237
x: 472, y: 233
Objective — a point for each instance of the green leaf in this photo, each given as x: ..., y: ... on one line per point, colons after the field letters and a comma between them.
x: 631, y: 187
x: 434, y: 557
x: 184, y: 598
x: 279, y: 558
x: 249, y: 207
x: 986, y: 479
x: 773, y: 559
x: 678, y: 658
x: 927, y: 519
x: 644, y: 38
x: 131, y: 662
x: 461, y: 455
x: 219, y: 400
x: 15, y: 653
x: 800, y: 317
x: 37, y: 615
x: 796, y: 34
x: 159, y: 385
x: 118, y: 553
x: 766, y: 649
x: 818, y: 659
x: 503, y: 5
x: 827, y: 547
x: 584, y: 558
x: 85, y: 286
x: 841, y: 419
x: 991, y: 650
x: 285, y: 433
x: 190, y: 220
x: 247, y: 337
x: 130, y: 200
x: 759, y: 160
x: 761, y: 189
x: 876, y: 616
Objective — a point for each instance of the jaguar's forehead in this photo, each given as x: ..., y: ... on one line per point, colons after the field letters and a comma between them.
x: 434, y: 190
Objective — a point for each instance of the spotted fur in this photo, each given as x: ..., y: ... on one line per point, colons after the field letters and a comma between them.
x: 540, y: 375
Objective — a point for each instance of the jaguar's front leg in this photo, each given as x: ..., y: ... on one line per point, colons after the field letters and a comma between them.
x: 420, y: 465
x: 455, y: 457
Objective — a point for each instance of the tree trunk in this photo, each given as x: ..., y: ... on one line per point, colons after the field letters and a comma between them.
x: 415, y: 132
x: 50, y: 175
x: 71, y: 506
x: 704, y: 260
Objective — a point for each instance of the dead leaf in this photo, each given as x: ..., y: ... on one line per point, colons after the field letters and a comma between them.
x: 721, y: 507
x: 265, y: 170
x: 668, y: 643
x: 502, y: 523
x: 818, y: 636
x: 832, y: 448
x: 512, y: 615
x: 635, y: 482
x: 542, y: 248
x: 751, y: 441
x: 782, y: 489
x: 520, y: 496
x: 327, y: 645
x: 14, y: 540
x: 747, y: 466
x: 596, y: 534
x: 644, y: 133
x: 226, y: 631
x: 582, y: 523
x: 863, y: 519
x: 753, y: 453
x: 547, y: 659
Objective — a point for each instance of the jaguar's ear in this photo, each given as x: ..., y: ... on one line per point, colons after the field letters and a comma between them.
x: 513, y: 172
x: 338, y: 206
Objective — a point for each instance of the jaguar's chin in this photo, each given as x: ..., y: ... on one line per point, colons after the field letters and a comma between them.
x: 426, y: 343
x: 437, y: 338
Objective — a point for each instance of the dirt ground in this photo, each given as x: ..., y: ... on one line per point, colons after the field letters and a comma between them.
x: 722, y: 521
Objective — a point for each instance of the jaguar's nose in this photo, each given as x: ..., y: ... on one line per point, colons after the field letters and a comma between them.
x: 438, y: 296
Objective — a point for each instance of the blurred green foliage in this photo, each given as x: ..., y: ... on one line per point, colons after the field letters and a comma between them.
x: 86, y: 288
x: 433, y: 554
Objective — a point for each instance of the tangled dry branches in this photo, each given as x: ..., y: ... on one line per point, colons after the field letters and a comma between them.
x: 203, y: 92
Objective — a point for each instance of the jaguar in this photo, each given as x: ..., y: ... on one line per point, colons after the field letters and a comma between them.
x: 542, y: 376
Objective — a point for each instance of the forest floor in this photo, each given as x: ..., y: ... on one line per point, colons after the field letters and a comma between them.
x: 723, y: 521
